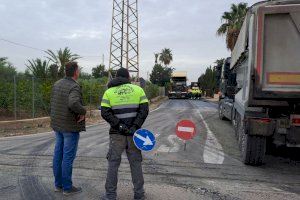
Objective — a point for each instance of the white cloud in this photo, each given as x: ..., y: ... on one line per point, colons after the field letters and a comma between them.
x: 84, y: 34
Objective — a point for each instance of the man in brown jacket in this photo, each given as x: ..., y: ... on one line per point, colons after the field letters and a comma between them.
x: 67, y: 121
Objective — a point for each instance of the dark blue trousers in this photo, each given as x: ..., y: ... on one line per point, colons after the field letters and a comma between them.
x: 64, y: 155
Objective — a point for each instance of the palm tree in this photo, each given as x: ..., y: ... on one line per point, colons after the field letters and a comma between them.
x: 219, y: 61
x: 61, y: 58
x: 156, y: 55
x: 233, y: 21
x: 166, y: 56
x: 39, y: 68
x: 53, y: 71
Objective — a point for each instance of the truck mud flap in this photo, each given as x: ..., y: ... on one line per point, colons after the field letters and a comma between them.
x: 293, y: 137
x: 260, y: 127
x: 253, y: 147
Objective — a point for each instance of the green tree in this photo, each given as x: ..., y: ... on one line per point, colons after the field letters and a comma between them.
x: 156, y: 55
x: 99, y: 71
x: 151, y: 90
x: 53, y: 71
x: 233, y: 21
x: 220, y: 61
x: 85, y: 76
x: 218, y: 71
x: 207, y: 81
x: 161, y: 75
x: 166, y: 56
x: 61, y: 58
x: 7, y: 70
x: 38, y: 68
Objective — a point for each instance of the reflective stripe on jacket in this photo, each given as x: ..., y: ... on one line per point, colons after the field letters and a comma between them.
x: 127, y: 103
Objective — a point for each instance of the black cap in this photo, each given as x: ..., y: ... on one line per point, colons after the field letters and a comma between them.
x: 122, y: 72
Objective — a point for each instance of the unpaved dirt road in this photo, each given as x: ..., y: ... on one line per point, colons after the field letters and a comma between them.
x: 210, y: 168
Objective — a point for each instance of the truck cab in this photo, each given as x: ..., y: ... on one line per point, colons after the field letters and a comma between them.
x: 179, y: 89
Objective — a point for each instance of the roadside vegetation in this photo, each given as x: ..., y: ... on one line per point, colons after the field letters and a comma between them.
x: 27, y: 94
x: 232, y: 22
x: 161, y: 72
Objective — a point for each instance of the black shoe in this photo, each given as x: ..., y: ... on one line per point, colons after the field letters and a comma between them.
x: 142, y: 198
x: 139, y: 197
x: 58, y: 189
x: 73, y: 190
x: 104, y: 197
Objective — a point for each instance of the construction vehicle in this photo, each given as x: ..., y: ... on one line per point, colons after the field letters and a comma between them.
x: 194, y: 92
x: 260, y: 83
x: 178, y: 88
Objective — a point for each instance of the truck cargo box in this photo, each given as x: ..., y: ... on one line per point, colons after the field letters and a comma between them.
x: 277, y: 63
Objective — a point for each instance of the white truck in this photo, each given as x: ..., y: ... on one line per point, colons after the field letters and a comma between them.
x: 178, y: 88
x: 260, y: 83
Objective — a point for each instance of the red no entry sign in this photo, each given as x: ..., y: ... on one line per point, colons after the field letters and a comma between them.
x: 186, y: 130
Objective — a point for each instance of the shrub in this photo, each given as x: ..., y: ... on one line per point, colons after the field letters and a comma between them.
x: 151, y: 90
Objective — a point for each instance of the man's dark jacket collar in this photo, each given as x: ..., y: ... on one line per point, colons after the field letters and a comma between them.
x: 71, y: 79
x: 118, y: 81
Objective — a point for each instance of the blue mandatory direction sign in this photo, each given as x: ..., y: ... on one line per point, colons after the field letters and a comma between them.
x: 144, y: 140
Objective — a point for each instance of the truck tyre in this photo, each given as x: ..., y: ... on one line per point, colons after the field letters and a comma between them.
x: 221, y: 112
x: 238, y: 130
x: 234, y: 122
x: 253, y: 148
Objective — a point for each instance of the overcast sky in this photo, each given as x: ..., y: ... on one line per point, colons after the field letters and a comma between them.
x: 187, y: 27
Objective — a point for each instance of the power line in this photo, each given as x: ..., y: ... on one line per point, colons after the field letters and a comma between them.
x: 22, y: 45
x: 37, y: 49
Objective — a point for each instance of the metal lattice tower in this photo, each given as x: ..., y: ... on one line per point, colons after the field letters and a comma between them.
x: 124, y: 45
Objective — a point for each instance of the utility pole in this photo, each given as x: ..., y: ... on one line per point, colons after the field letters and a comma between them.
x: 124, y: 44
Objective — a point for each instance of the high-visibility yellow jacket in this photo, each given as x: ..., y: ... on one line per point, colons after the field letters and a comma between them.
x: 124, y: 103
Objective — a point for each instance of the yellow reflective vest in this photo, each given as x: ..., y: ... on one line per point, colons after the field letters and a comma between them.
x: 124, y: 100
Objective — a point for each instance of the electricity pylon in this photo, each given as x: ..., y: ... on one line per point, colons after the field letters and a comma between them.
x: 124, y: 45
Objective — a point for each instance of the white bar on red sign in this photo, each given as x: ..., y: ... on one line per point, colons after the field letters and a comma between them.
x: 185, y: 129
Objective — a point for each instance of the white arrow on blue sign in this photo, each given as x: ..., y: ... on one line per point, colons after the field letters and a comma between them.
x: 144, y: 140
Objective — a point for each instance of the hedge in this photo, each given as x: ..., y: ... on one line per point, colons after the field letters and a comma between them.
x: 92, y: 91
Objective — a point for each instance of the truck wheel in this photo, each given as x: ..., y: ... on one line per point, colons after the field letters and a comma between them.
x: 253, y: 147
x: 221, y: 112
x: 234, y: 122
x: 239, y: 129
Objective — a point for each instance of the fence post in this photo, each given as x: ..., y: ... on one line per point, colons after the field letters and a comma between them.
x: 15, y: 98
x: 90, y: 101
x: 33, y: 106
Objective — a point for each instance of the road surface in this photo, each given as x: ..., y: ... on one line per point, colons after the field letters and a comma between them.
x: 210, y: 168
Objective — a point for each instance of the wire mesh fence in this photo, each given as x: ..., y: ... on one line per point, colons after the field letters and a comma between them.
x: 29, y: 97
x: 23, y: 97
